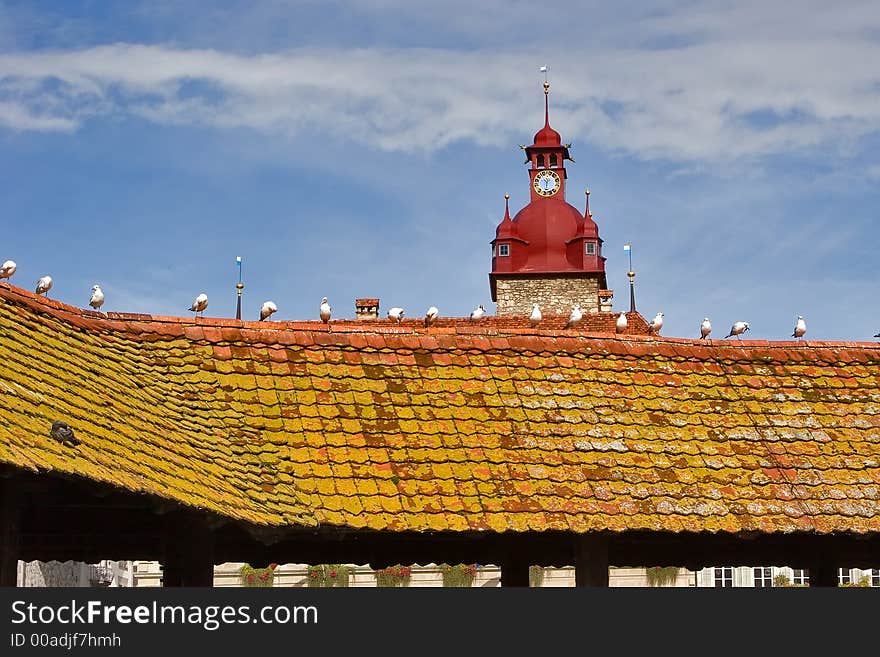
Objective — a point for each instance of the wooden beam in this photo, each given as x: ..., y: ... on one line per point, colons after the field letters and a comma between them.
x: 591, y: 561
x: 10, y: 517
x: 188, y: 551
x: 514, y: 572
x: 823, y: 572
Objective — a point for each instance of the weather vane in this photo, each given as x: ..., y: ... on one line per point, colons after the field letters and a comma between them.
x: 546, y: 71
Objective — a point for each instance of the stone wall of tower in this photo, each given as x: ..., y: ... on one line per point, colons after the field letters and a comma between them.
x: 554, y: 294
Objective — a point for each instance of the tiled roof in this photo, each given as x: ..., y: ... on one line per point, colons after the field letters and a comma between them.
x: 451, y: 428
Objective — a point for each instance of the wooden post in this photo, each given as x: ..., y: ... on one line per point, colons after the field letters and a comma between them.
x: 10, y: 532
x: 514, y: 572
x: 189, y: 551
x: 590, y: 561
x: 823, y: 572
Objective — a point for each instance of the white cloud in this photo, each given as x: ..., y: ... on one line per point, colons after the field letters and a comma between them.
x: 739, y: 82
x: 20, y: 117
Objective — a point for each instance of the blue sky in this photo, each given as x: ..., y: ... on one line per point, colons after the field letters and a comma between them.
x: 363, y: 148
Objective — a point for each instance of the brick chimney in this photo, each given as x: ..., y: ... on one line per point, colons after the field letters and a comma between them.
x: 366, y: 308
x: 605, y: 297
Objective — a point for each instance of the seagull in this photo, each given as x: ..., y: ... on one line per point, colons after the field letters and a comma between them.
x: 656, y: 323
x: 575, y: 317
x: 536, y: 317
x: 738, y: 329
x: 97, y: 299
x: 705, y: 328
x: 325, y: 311
x: 477, y: 313
x: 620, y: 327
x: 267, y: 309
x: 7, y: 269
x: 800, y: 328
x: 431, y: 315
x: 44, y: 285
x: 199, y: 305
x: 396, y: 314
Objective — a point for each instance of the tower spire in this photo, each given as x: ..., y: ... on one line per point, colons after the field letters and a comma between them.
x: 507, y: 207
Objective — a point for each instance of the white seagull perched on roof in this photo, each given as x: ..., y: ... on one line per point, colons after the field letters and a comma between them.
x: 200, y: 303
x: 620, y: 325
x: 97, y: 299
x: 477, y: 313
x: 536, y: 316
x: 7, y: 269
x: 325, y: 310
x: 800, y: 328
x: 656, y: 323
x: 431, y: 316
x: 705, y: 328
x: 44, y: 285
x: 396, y: 314
x: 267, y: 309
x: 738, y: 329
x: 575, y: 317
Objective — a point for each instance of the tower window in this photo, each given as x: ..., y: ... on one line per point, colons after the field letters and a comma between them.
x: 504, y: 249
x: 554, y: 162
x: 540, y: 161
x: 591, y: 248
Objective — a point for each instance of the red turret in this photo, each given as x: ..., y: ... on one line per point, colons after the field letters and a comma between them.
x: 548, y: 236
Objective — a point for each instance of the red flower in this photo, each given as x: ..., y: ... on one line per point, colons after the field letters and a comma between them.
x: 332, y: 573
x: 273, y: 566
x: 251, y: 578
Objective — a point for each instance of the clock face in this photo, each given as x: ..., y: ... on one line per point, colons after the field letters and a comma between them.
x: 546, y: 183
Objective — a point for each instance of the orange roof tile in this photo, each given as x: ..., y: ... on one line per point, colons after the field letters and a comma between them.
x: 450, y: 428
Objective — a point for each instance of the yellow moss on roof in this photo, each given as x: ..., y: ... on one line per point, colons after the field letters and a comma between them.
x: 456, y: 432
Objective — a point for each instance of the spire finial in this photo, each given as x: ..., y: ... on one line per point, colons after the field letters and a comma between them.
x: 587, y: 212
x: 547, y: 104
x: 546, y: 71
x: 507, y: 207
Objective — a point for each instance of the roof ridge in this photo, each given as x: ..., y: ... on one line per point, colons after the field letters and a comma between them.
x: 490, y: 327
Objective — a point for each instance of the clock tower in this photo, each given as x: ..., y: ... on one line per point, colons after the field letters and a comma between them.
x: 549, y: 253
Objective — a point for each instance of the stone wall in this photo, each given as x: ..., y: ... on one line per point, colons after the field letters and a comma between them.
x: 554, y: 294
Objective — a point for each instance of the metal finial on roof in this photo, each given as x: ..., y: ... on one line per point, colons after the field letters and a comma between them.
x: 627, y: 248
x: 238, y: 288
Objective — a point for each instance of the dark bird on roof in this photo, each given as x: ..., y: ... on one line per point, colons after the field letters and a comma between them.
x: 64, y: 434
